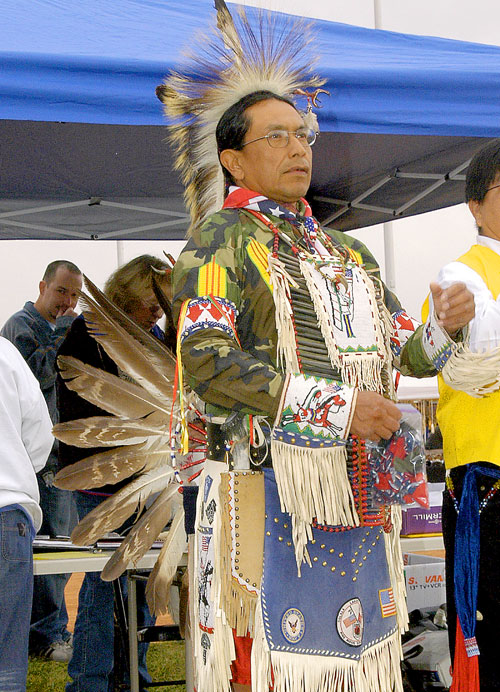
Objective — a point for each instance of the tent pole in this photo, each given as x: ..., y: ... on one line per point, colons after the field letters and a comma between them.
x: 390, y: 268
x: 120, y: 253
x: 390, y: 273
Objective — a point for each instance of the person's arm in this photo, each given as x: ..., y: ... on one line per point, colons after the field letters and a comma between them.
x: 37, y: 432
x: 207, y: 295
x: 36, y: 426
x: 421, y: 350
x: 484, y: 328
x: 39, y: 353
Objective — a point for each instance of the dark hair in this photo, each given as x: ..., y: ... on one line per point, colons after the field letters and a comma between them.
x: 132, y: 280
x: 482, y: 171
x: 52, y: 268
x: 234, y: 123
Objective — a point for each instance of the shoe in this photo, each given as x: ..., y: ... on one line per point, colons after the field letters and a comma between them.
x: 57, y: 651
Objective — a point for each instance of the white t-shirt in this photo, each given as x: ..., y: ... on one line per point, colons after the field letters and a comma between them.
x: 25, y: 432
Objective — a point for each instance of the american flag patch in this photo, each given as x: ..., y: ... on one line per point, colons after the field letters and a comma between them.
x: 349, y: 620
x: 387, y: 604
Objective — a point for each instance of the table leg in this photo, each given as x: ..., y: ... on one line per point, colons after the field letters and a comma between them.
x: 132, y: 633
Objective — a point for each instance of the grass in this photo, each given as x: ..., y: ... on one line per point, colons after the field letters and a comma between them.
x: 165, y: 662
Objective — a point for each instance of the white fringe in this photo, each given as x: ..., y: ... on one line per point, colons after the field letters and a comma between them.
x: 313, y: 484
x: 378, y: 669
x: 476, y: 374
x: 396, y: 568
x: 362, y: 370
x: 301, y: 534
x: 287, y: 345
x: 387, y: 325
x: 260, y: 659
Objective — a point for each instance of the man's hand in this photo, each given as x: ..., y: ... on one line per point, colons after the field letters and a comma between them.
x: 374, y: 417
x: 454, y: 306
x: 68, y: 312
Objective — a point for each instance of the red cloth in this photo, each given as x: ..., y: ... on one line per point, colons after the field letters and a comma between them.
x: 241, y: 667
x: 465, y: 668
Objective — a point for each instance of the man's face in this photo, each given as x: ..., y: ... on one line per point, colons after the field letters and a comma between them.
x: 283, y: 174
x: 59, y: 294
x: 487, y: 212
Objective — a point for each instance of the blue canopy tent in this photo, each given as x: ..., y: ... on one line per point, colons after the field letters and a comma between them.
x: 82, y: 137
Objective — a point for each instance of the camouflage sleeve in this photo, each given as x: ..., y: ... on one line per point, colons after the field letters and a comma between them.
x: 409, y: 356
x: 208, y: 279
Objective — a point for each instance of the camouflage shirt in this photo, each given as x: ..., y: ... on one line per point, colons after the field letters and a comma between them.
x: 227, y: 258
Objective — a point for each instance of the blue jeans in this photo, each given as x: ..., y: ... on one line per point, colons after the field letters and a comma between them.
x: 16, y: 592
x: 49, y: 618
x: 91, y: 667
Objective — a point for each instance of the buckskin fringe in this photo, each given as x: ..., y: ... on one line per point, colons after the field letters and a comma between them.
x: 217, y: 674
x: 396, y: 568
x: 287, y: 345
x: 313, y: 484
x: 476, y: 374
x: 363, y: 371
x: 237, y: 602
x: 378, y: 669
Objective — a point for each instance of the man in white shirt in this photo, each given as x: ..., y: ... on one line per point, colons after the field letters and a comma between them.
x: 471, y: 446
x: 37, y: 331
x: 25, y: 428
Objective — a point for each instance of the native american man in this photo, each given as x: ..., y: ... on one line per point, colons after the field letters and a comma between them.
x: 257, y: 338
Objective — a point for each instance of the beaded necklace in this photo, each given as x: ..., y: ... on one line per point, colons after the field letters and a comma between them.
x: 491, y: 492
x: 309, y: 238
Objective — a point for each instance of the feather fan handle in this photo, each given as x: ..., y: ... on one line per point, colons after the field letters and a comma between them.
x: 163, y: 573
x: 109, y: 392
x: 142, y: 535
x: 113, y: 512
x: 161, y: 296
x: 108, y: 431
x: 110, y: 467
x: 166, y: 306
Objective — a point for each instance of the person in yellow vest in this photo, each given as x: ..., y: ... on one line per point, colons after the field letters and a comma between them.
x: 470, y: 426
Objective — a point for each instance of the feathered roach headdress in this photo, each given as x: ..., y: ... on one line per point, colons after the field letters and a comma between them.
x: 237, y: 59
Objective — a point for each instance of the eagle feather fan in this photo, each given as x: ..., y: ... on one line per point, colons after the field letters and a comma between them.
x: 139, y: 426
x: 115, y: 510
x: 142, y: 534
x: 158, y: 585
x: 103, y: 389
x: 111, y: 466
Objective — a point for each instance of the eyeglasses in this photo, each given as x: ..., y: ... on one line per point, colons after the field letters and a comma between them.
x: 493, y: 187
x: 278, y: 139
